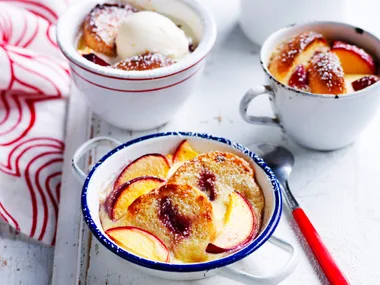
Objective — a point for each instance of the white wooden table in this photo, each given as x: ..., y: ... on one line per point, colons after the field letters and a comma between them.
x: 338, y: 190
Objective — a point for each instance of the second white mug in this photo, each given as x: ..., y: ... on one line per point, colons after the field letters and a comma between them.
x: 321, y: 122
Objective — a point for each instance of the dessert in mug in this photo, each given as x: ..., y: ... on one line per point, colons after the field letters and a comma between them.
x: 309, y: 62
x: 125, y: 37
x: 183, y: 208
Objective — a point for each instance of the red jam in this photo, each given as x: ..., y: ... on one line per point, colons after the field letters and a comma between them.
x: 207, y: 184
x: 172, y: 219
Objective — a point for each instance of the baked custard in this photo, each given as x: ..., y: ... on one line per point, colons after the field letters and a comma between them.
x: 183, y: 208
x: 309, y: 62
x: 125, y: 37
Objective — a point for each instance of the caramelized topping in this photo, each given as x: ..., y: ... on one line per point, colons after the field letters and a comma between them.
x: 146, y: 61
x: 326, y: 74
x: 307, y: 62
x: 104, y: 20
x: 294, y: 46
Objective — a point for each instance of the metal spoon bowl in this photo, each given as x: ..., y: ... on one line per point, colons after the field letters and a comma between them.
x: 281, y: 161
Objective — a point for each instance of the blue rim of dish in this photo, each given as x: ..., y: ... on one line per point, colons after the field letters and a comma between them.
x: 189, y: 267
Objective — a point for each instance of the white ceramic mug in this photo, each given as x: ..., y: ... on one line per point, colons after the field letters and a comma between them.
x: 105, y: 169
x: 138, y: 100
x: 321, y: 122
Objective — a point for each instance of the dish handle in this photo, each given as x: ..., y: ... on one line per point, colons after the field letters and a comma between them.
x: 275, y: 278
x: 85, y: 147
x: 246, y: 100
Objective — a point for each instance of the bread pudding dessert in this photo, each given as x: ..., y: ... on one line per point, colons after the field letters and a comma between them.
x: 126, y: 37
x: 311, y: 63
x: 183, y: 208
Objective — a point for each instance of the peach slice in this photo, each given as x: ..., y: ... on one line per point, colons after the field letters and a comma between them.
x: 354, y: 60
x: 95, y: 59
x: 297, y: 50
x: 184, y: 152
x: 120, y: 199
x: 169, y: 158
x: 299, y: 78
x: 153, y: 164
x: 348, y: 79
x: 326, y: 74
x: 239, y: 228
x: 139, y: 242
x: 364, y: 82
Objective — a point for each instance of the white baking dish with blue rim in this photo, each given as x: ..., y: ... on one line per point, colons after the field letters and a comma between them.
x: 105, y: 170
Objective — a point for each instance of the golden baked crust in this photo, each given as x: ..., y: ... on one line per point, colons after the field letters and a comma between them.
x: 297, y: 50
x: 146, y: 61
x: 101, y: 26
x: 326, y: 74
x: 218, y: 174
x: 180, y: 216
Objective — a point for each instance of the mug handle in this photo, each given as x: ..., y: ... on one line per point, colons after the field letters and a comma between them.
x: 246, y: 100
x: 275, y: 278
x: 85, y: 147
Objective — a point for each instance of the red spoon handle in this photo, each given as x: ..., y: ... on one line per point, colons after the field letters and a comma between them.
x: 326, y: 261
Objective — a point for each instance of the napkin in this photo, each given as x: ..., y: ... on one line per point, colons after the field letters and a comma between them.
x: 34, y: 84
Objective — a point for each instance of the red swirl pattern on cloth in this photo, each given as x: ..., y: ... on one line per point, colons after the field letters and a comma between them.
x: 34, y: 84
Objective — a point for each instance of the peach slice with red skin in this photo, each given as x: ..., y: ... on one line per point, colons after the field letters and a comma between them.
x: 95, y: 59
x: 295, y: 51
x: 140, y: 242
x: 169, y: 158
x: 184, y: 152
x: 153, y: 164
x: 121, y: 198
x: 354, y: 60
x: 299, y: 79
x: 240, y: 226
x: 364, y: 82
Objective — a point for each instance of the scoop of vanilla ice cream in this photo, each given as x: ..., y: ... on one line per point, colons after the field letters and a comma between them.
x: 149, y: 31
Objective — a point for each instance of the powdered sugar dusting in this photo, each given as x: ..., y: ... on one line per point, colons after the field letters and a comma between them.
x: 306, y: 38
x: 364, y: 82
x: 104, y: 20
x: 146, y: 61
x: 328, y: 67
x: 368, y: 80
x: 292, y: 47
x: 299, y: 79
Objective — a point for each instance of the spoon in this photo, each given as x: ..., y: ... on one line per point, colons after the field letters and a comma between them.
x: 281, y: 161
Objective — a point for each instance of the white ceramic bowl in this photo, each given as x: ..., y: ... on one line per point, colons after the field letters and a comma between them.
x: 107, y: 168
x: 138, y: 100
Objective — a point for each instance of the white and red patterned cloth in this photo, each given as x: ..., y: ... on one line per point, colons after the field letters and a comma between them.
x: 34, y: 82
